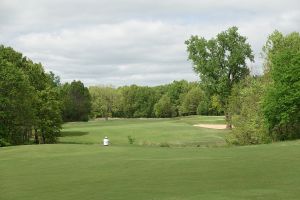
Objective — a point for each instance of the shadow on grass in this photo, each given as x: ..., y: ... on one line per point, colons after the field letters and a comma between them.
x: 73, y: 133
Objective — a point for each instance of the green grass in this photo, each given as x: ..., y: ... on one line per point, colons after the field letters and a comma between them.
x: 91, y: 172
x: 137, y: 172
x: 147, y: 132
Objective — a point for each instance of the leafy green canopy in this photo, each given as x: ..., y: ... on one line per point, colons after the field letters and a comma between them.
x: 220, y: 62
x: 248, y: 120
x: 29, y: 100
x: 104, y: 101
x: 164, y: 107
x: 186, y: 98
x: 282, y: 101
x: 16, y: 106
x: 191, y: 101
x: 76, y: 101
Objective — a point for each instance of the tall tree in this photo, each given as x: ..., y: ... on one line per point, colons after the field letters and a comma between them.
x: 282, y: 101
x: 49, y: 117
x: 220, y: 62
x: 23, y: 82
x: 77, y: 102
x: 16, y: 105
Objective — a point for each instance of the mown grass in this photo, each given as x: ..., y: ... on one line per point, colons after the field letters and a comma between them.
x: 147, y: 132
x: 149, y: 172
x: 69, y: 171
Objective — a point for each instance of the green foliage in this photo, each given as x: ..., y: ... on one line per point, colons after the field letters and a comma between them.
x: 191, y: 101
x: 77, y: 102
x: 216, y: 103
x: 144, y: 102
x: 164, y: 108
x: 203, y: 108
x: 210, y: 105
x: 175, y: 91
x: 49, y: 115
x: 246, y: 106
x: 105, y: 101
x: 137, y: 101
x: 24, y: 98
x: 282, y: 101
x: 220, y: 62
x: 3, y: 143
x: 16, y: 106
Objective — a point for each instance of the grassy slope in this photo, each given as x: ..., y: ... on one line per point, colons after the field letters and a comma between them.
x: 149, y: 132
x: 70, y: 171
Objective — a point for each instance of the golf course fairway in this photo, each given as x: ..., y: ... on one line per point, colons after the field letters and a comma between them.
x: 141, y: 172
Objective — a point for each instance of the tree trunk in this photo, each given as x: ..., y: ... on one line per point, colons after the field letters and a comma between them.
x: 43, y: 137
x: 36, y: 137
x: 228, y: 120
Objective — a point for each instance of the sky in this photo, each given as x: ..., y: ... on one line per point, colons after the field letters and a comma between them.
x: 110, y: 42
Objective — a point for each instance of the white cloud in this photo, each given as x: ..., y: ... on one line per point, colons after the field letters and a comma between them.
x: 133, y: 41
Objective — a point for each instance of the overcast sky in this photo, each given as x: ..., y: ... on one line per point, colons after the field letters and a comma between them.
x: 133, y: 41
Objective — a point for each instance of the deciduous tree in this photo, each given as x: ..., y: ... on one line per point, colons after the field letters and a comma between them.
x: 77, y: 102
x: 220, y: 62
x: 282, y: 101
x: 105, y: 100
x: 164, y: 108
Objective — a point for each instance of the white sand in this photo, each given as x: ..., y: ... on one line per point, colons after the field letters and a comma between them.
x: 213, y: 126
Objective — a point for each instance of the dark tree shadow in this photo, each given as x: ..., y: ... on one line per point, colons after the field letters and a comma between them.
x: 73, y: 133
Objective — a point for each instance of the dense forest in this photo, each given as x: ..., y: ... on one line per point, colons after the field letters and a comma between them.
x: 34, y: 103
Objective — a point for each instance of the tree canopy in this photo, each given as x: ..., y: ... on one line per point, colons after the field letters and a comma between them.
x: 220, y: 62
x: 29, y: 100
x: 282, y: 101
x: 76, y: 101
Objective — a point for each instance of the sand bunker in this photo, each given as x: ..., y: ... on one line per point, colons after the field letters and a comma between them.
x: 213, y: 126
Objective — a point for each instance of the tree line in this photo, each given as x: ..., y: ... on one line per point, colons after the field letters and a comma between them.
x: 34, y: 103
x: 262, y: 108
x: 179, y: 98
